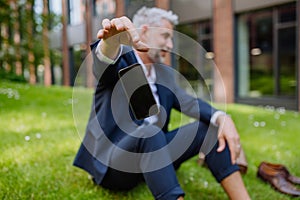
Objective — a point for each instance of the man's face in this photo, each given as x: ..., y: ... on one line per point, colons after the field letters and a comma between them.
x: 160, y: 41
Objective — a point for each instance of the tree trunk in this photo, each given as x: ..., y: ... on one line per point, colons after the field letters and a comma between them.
x: 17, y: 37
x: 5, y: 47
x: 88, y: 21
x: 31, y: 58
x: 47, y: 63
x: 65, y: 48
x: 4, y: 16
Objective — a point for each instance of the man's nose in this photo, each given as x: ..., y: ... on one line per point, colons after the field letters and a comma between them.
x: 169, y: 43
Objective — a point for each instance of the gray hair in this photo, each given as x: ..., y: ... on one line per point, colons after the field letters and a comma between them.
x: 153, y: 16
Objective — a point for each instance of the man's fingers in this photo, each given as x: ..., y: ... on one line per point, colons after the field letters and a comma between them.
x: 100, y: 34
x: 129, y: 27
x: 238, y: 150
x: 235, y: 148
x: 117, y: 22
x: 127, y: 23
x: 106, y: 24
x: 124, y: 31
x: 132, y: 33
x: 221, y: 144
x: 233, y: 157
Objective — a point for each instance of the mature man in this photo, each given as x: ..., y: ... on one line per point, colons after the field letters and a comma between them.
x: 118, y: 150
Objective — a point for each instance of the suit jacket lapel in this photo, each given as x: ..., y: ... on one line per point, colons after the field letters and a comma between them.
x: 130, y: 55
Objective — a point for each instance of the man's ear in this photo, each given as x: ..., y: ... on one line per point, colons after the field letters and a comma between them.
x: 144, y: 32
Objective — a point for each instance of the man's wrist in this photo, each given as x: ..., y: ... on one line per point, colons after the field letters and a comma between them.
x: 216, y: 116
x: 109, y: 59
x: 109, y: 49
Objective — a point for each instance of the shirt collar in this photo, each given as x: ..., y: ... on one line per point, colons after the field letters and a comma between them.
x: 150, y: 77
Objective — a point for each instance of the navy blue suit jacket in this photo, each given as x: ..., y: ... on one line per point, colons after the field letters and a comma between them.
x: 111, y: 119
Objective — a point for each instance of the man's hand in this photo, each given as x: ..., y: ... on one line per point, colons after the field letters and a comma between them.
x: 119, y: 31
x: 228, y: 133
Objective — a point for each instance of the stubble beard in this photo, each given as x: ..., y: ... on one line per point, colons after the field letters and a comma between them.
x: 155, y: 56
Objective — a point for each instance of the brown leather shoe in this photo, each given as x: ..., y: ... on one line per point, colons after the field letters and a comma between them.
x: 284, y: 170
x: 277, y: 180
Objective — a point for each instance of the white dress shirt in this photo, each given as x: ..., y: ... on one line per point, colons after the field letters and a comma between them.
x: 151, y: 78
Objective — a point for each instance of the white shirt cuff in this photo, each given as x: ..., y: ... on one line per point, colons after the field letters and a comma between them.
x: 104, y: 58
x: 215, y: 116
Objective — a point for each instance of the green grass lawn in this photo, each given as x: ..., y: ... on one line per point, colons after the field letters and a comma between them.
x: 40, y: 134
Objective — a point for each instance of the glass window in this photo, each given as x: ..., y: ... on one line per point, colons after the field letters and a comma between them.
x: 185, y: 67
x: 104, y: 8
x: 205, y: 35
x: 77, y: 9
x: 255, y: 43
x: 198, y: 32
x: 56, y: 11
x: 287, y: 13
x: 55, y: 7
x: 287, y: 61
x: 131, y: 6
x: 266, y: 49
x: 200, y: 78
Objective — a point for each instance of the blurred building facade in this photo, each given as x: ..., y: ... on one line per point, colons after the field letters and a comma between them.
x: 254, y: 44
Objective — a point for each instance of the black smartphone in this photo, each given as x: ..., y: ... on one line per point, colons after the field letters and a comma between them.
x: 138, y: 92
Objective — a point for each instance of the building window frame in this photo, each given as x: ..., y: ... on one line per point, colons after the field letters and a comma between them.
x: 278, y: 100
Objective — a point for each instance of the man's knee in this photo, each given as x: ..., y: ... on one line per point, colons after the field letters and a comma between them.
x: 220, y: 163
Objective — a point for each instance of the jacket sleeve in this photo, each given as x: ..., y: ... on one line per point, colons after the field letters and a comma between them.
x: 104, y: 73
x: 193, y: 107
x: 189, y: 105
